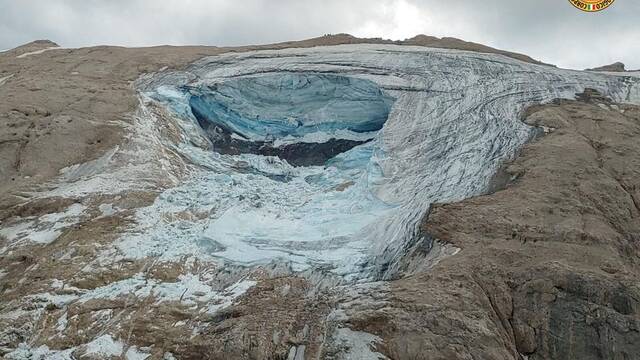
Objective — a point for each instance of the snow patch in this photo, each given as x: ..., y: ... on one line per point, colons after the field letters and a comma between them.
x: 190, y: 290
x: 43, y: 230
x: 37, y: 52
x: 133, y: 353
x: 359, y: 345
x: 107, y: 210
x: 57, y: 300
x: 24, y: 352
x: 105, y: 346
x: 61, y: 325
x: 101, y: 347
x: 226, y: 298
x: 5, y: 78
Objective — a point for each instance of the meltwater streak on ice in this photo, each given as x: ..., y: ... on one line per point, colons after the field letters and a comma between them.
x: 454, y: 119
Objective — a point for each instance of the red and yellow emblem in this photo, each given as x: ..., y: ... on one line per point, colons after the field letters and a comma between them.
x: 591, y: 5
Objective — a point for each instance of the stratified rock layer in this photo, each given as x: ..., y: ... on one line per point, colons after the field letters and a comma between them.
x: 615, y: 67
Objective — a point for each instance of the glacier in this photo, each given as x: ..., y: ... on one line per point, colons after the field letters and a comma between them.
x: 327, y: 158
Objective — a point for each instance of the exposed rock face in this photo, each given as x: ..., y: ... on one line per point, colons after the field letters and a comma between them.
x: 453, y: 43
x: 151, y: 243
x: 615, y: 67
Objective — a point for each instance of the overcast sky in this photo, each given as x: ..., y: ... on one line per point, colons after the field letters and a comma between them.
x: 549, y: 30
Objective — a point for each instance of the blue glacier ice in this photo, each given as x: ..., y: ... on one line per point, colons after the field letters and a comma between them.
x: 292, y: 104
x: 263, y: 208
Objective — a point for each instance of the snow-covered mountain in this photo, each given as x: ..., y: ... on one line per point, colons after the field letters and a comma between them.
x: 295, y: 179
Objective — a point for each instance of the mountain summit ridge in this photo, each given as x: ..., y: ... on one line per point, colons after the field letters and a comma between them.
x: 343, y: 39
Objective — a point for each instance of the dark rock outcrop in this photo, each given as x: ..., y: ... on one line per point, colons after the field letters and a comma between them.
x: 615, y: 67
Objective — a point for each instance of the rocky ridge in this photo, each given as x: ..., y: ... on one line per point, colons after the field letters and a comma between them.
x: 615, y: 67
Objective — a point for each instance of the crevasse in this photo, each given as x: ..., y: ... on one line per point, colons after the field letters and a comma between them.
x: 383, y: 131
